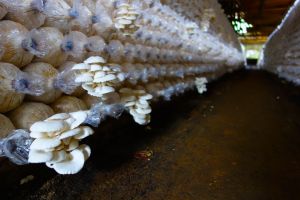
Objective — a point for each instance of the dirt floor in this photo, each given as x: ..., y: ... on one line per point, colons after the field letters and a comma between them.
x: 241, y: 140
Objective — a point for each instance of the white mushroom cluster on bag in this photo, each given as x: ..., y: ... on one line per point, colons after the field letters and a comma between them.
x: 57, y: 142
x: 137, y: 103
x: 201, y: 85
x: 68, y: 64
x: 125, y: 15
x: 96, y: 78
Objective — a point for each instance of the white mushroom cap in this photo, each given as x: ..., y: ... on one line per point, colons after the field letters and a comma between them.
x: 104, y: 90
x: 72, y: 165
x: 122, y: 11
x: 88, y: 86
x: 85, y: 77
x: 143, y: 111
x: 81, y: 66
x: 119, y: 25
x: 70, y: 121
x: 79, y: 117
x: 45, y: 143
x: 59, y: 156
x: 137, y: 115
x: 94, y: 59
x: 38, y: 134
x: 140, y: 121
x: 95, y: 68
x: 38, y: 156
x: 85, y: 132
x: 70, y: 133
x: 48, y: 126
x: 143, y: 105
x: 129, y: 104
x: 130, y: 17
x: 99, y: 74
x: 106, y: 78
x: 146, y: 97
x: 86, y: 150
x: 124, y: 21
x: 60, y: 116
x: 72, y: 145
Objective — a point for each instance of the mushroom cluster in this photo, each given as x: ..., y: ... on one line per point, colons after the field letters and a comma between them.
x: 97, y: 78
x: 57, y: 142
x: 201, y: 84
x: 137, y: 103
x: 125, y: 15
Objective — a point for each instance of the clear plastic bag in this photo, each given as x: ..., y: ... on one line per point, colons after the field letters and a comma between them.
x: 100, y: 112
x: 57, y: 12
x: 29, y: 84
x: 49, y: 74
x: 24, y: 12
x: 45, y: 44
x: 115, y: 49
x: 9, y: 98
x: 95, y: 46
x: 11, y: 36
x: 16, y: 147
x: 74, y: 44
x: 102, y: 20
x: 81, y: 17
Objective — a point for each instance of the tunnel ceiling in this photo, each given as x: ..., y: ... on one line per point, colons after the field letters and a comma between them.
x: 264, y: 15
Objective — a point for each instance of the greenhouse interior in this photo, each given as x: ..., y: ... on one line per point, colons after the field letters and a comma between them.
x: 150, y: 99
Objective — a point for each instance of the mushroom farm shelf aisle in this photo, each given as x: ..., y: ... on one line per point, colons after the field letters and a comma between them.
x: 66, y: 65
x: 281, y: 53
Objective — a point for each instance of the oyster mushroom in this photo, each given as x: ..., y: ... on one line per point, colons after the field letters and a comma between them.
x: 45, y: 143
x: 72, y: 165
x: 85, y: 131
x: 97, y: 78
x: 137, y: 103
x: 57, y: 142
x: 70, y: 133
x: 201, y: 84
x: 38, y: 156
x: 79, y: 116
x: 86, y: 151
x: 124, y: 18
